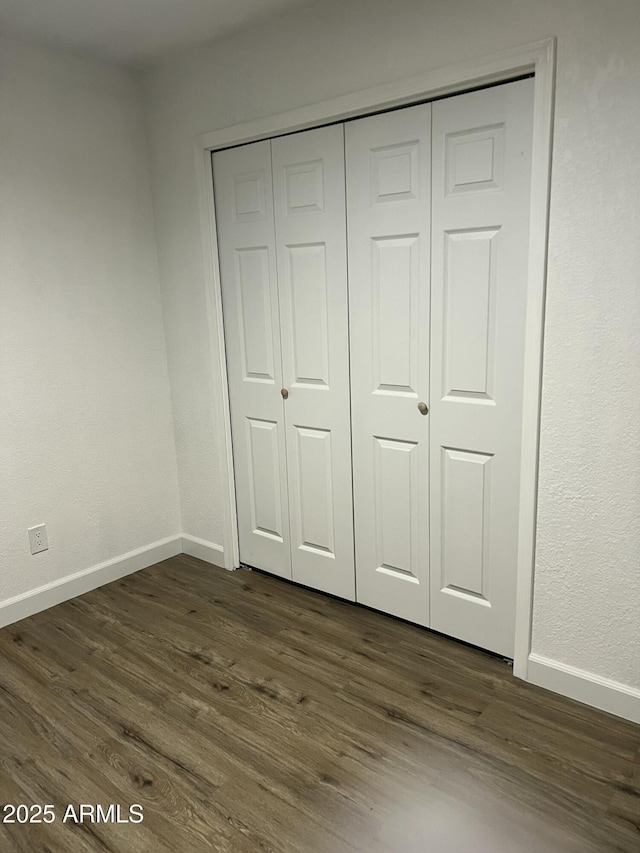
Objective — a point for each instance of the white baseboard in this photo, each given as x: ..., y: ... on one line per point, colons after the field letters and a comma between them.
x: 594, y: 690
x: 210, y: 552
x: 71, y: 586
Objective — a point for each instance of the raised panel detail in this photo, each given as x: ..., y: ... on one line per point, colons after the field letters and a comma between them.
x: 254, y: 310
x: 304, y: 188
x: 395, y: 465
x: 248, y: 194
x: 470, y: 305
x: 474, y: 159
x: 308, y: 283
x: 466, y: 505
x: 315, y: 490
x: 395, y: 295
x: 264, y: 478
x: 394, y: 173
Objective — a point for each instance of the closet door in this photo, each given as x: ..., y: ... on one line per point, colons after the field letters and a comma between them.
x: 388, y: 201
x: 481, y: 180
x: 309, y: 197
x: 246, y: 241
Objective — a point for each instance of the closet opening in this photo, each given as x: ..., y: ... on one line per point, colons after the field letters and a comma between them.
x: 378, y: 275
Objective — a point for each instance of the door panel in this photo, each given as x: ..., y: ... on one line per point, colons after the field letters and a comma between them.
x: 395, y: 289
x: 309, y: 199
x: 466, y: 522
x: 307, y: 280
x: 480, y: 209
x: 469, y: 313
x: 246, y: 241
x: 254, y: 314
x: 388, y: 202
x: 396, y: 477
x: 265, y: 482
x: 312, y: 473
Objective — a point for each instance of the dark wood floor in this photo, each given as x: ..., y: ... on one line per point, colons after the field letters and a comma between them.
x: 247, y: 714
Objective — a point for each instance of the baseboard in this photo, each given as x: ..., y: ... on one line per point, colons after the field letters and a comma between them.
x: 210, y: 552
x: 594, y: 690
x: 15, y: 609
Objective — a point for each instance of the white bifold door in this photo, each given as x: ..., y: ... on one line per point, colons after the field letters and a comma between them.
x: 374, y: 279
x: 438, y: 222
x: 280, y: 211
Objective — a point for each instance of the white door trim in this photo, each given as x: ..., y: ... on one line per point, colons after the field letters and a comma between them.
x: 537, y: 58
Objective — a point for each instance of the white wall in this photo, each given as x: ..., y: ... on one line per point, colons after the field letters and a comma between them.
x: 86, y: 441
x: 587, y: 586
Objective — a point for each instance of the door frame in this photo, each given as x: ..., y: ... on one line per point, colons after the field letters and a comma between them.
x: 538, y: 58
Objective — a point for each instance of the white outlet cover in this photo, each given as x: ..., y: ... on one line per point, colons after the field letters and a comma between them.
x: 38, y: 538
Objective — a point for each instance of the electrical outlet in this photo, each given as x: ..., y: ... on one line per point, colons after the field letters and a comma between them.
x: 38, y: 538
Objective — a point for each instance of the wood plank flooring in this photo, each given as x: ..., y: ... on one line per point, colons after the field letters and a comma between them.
x: 246, y: 714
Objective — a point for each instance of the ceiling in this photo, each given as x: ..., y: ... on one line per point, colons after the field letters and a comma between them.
x: 133, y: 32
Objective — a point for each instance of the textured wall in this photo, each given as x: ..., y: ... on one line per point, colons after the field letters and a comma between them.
x: 86, y: 442
x: 587, y: 586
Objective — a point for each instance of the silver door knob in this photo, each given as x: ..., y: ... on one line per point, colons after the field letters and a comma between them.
x: 423, y: 408
x: 284, y: 393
